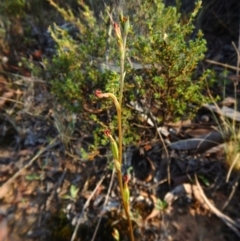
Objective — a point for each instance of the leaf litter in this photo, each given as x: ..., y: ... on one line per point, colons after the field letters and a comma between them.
x: 36, y: 174
x: 47, y: 187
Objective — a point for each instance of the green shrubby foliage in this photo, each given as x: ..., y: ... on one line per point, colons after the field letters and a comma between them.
x: 13, y: 8
x: 74, y: 68
x: 166, y: 46
x: 158, y: 40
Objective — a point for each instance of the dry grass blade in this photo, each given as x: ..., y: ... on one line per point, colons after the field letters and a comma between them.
x: 232, y: 166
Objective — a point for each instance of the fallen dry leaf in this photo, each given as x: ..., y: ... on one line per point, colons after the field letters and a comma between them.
x: 224, y: 111
x: 3, y: 228
x: 3, y: 191
x: 200, y: 144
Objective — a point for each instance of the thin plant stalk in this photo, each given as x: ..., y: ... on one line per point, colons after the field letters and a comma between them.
x: 120, y: 132
x: 124, y: 191
x: 122, y: 73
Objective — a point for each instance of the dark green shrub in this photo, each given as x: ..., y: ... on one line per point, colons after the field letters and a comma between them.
x: 158, y: 40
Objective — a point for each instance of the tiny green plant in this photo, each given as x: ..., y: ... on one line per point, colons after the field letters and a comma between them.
x: 32, y: 177
x: 204, y: 180
x: 72, y: 193
x: 161, y: 205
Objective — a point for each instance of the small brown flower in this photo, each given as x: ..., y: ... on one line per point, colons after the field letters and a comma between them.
x: 98, y: 93
x: 107, y: 132
x: 126, y: 179
x: 117, y: 30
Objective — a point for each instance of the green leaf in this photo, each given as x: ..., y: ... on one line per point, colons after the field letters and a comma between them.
x: 204, y: 180
x: 66, y: 196
x: 161, y: 205
x: 32, y: 177
x: 73, y: 191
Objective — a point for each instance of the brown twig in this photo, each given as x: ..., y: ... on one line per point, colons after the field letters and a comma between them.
x: 233, y: 225
x: 104, y: 204
x: 223, y: 65
x: 84, y: 207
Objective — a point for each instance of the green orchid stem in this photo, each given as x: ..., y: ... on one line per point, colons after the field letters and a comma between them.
x: 125, y: 205
x: 118, y: 104
x: 120, y: 134
x: 119, y: 160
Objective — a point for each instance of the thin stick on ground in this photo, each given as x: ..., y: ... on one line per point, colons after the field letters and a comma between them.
x: 18, y: 173
x: 223, y: 65
x: 104, y: 204
x: 233, y: 225
x: 231, y: 167
x: 84, y: 207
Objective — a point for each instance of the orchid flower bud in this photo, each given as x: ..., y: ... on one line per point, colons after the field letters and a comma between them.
x: 113, y: 145
x: 116, y: 234
x: 126, y: 192
x: 117, y: 31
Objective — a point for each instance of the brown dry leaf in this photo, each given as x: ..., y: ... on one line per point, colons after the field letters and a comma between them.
x: 164, y: 131
x: 5, y: 97
x: 147, y: 147
x: 6, y: 168
x: 224, y: 111
x: 3, y: 228
x: 178, y: 125
x: 200, y: 144
x: 219, y: 149
x: 197, y: 195
x: 197, y: 132
x: 228, y: 101
x: 4, y: 190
